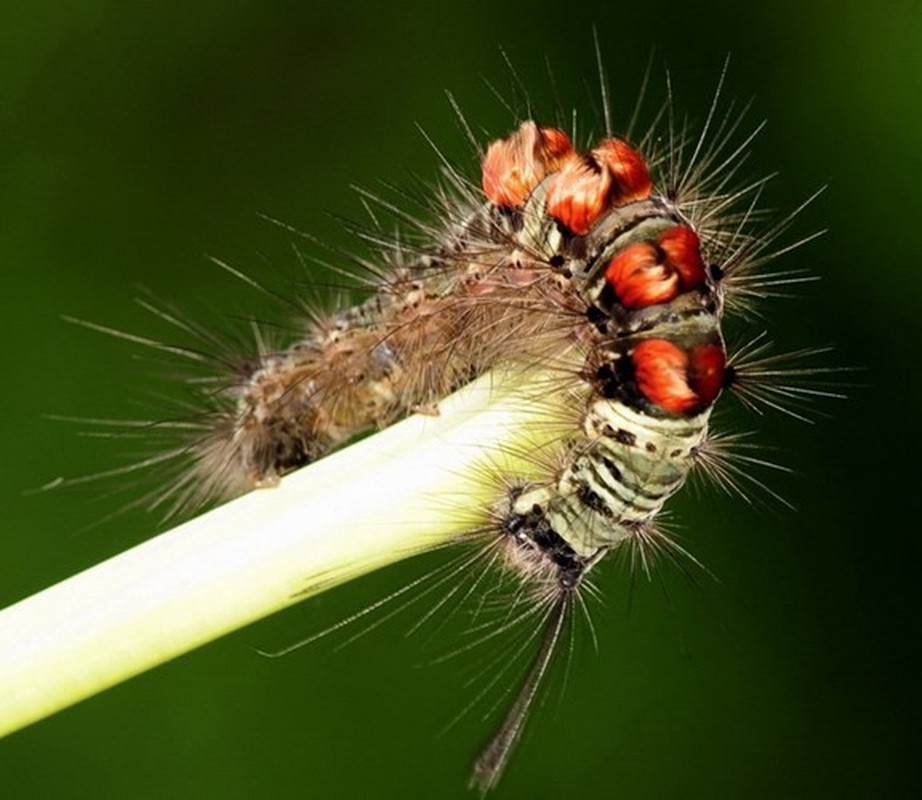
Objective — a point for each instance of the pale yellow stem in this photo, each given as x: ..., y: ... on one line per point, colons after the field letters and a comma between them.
x: 405, y: 490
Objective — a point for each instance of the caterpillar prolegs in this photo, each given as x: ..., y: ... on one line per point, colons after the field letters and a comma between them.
x: 608, y: 266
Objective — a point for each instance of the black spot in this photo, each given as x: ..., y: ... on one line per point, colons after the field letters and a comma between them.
x: 596, y: 316
x: 716, y: 271
x: 607, y: 296
x: 607, y: 382
x: 650, y: 447
x: 625, y: 437
x: 248, y: 367
x: 557, y: 261
x: 569, y: 576
x: 513, y: 523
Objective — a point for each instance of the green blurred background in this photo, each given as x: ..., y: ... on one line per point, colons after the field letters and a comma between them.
x: 137, y: 138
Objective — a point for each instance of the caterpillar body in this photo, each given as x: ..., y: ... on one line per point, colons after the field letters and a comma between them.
x: 609, y: 267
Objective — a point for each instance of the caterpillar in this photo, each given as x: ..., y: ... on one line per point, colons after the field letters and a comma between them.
x: 607, y: 262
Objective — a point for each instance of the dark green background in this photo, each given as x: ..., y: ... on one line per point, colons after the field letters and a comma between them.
x: 135, y: 138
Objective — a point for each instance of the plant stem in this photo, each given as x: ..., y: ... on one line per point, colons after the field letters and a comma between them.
x: 412, y: 487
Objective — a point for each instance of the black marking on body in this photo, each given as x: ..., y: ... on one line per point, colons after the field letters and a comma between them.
x: 592, y: 500
x: 532, y: 529
x: 598, y: 318
x: 612, y: 469
x: 615, y: 380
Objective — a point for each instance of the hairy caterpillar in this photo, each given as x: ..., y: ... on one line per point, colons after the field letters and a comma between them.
x: 608, y: 265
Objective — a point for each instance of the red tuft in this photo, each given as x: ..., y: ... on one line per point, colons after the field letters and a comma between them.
x: 639, y: 279
x: 631, y: 176
x: 642, y: 275
x: 683, y: 251
x: 578, y: 194
x: 661, y: 371
x: 513, y: 166
x: 706, y: 369
x: 613, y: 174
